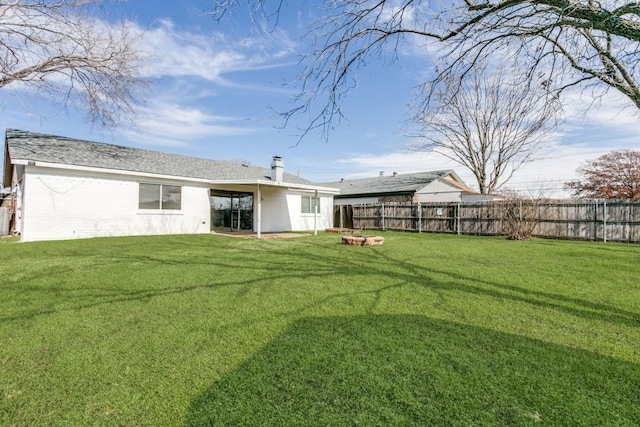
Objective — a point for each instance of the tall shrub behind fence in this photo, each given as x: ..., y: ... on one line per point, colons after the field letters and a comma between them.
x: 565, y: 219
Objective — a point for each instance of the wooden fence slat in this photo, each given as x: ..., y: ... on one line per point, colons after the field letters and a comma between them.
x: 563, y: 219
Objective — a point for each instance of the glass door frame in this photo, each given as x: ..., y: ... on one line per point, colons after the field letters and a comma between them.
x: 238, y: 217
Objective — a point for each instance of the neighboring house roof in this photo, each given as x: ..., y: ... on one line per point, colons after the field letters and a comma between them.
x: 462, y: 186
x: 395, y: 184
x: 36, y: 147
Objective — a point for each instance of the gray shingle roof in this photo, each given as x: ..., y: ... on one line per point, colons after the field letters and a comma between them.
x: 30, y: 146
x: 399, y: 184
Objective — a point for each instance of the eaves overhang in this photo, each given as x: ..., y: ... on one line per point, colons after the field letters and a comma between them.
x: 262, y: 182
x: 376, y: 194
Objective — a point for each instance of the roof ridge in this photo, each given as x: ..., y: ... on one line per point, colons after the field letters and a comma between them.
x: 434, y: 173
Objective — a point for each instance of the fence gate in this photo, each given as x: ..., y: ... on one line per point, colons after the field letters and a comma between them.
x: 343, y: 216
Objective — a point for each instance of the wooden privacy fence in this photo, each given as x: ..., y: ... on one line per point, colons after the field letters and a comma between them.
x: 565, y: 219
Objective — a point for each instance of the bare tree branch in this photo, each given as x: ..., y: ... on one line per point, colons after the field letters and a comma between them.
x: 591, y: 44
x: 58, y: 49
x: 595, y: 39
x: 488, y: 122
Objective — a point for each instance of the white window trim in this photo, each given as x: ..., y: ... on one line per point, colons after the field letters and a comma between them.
x: 160, y: 209
x: 311, y: 198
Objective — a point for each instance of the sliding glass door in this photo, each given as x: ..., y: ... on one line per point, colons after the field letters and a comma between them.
x: 231, y: 211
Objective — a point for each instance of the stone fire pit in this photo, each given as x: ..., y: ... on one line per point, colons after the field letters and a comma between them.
x: 362, y: 240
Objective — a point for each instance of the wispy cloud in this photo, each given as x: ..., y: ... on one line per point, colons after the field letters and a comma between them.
x: 366, y: 165
x: 211, y: 56
x: 585, y: 135
x: 190, y: 71
x: 171, y: 124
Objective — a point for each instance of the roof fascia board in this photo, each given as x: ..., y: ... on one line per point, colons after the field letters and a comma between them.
x: 292, y: 186
x: 455, y: 176
x: 388, y: 193
x: 110, y: 171
x: 330, y: 190
x: 458, y: 186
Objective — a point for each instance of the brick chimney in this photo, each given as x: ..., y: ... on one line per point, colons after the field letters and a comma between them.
x: 277, y: 169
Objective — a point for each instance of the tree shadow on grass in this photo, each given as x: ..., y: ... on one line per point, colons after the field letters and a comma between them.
x: 264, y: 268
x: 412, y: 370
x: 400, y: 271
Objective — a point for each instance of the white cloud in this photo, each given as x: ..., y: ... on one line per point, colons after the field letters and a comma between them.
x: 177, y: 109
x: 176, y: 53
x: 586, y: 135
x: 170, y: 124
x: 610, y: 108
x: 367, y: 165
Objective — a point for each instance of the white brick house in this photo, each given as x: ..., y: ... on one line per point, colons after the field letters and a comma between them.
x: 68, y: 188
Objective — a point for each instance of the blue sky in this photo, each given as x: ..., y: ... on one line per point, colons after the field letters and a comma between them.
x: 216, y: 87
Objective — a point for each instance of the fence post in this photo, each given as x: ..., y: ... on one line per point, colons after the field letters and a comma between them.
x: 419, y: 218
x: 628, y: 226
x: 382, y: 211
x: 520, y: 210
x: 458, y: 218
x: 595, y: 221
x: 604, y: 220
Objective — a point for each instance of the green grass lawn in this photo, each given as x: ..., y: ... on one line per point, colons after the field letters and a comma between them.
x: 424, y: 330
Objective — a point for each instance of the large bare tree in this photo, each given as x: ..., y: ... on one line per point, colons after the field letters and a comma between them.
x: 58, y: 49
x: 587, y: 43
x: 489, y: 121
x: 615, y: 175
x: 570, y: 41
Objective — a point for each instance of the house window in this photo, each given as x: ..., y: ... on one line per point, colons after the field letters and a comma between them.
x: 171, y: 197
x: 157, y: 196
x: 309, y: 204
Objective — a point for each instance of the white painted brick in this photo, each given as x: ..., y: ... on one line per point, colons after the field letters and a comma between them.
x: 70, y: 205
x: 66, y: 204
